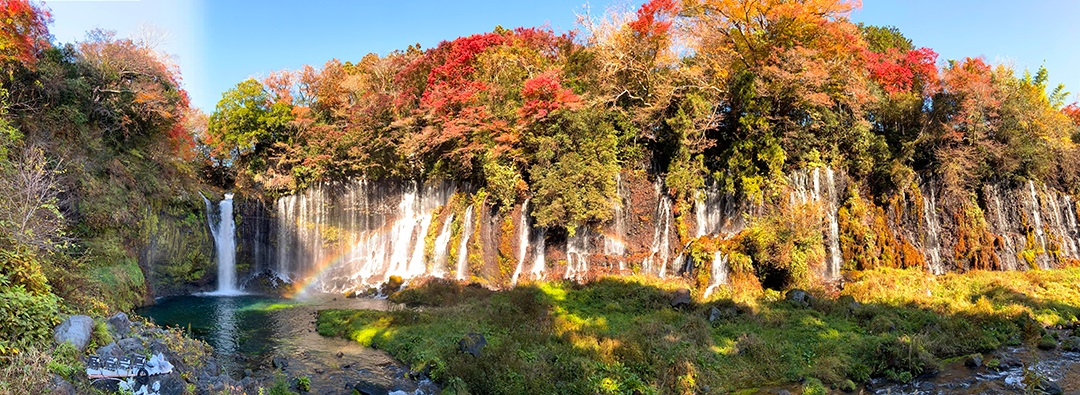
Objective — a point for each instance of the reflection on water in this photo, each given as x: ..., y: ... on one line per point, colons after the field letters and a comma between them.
x: 248, y: 331
x: 225, y: 337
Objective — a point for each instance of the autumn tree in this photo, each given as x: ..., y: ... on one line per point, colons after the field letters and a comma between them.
x: 23, y: 32
x: 796, y: 89
x: 137, y: 94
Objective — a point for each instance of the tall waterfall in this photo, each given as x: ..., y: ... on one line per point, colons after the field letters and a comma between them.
x: 614, y: 240
x: 224, y: 233
x: 933, y: 231
x: 463, y: 248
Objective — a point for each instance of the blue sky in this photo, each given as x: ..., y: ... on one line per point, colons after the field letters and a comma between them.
x: 222, y: 42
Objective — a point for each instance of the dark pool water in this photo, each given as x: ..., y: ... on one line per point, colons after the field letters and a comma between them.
x: 248, y: 332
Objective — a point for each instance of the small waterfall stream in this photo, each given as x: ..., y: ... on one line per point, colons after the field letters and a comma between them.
x: 224, y: 233
x: 807, y: 186
x: 442, y: 245
x: 523, y: 241
x: 463, y: 248
x: 577, y: 255
x: 539, y: 246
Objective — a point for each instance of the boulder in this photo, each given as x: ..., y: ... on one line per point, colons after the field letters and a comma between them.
x: 119, y: 325
x: 1048, y: 387
x: 681, y: 298
x: 472, y: 343
x: 369, y: 388
x: 131, y: 345
x: 799, y: 297
x: 973, y: 361
x: 848, y: 302
x: 75, y: 330
x: 110, y: 350
x: 59, y: 386
x: 280, y: 363
x: 172, y: 385
x: 728, y: 312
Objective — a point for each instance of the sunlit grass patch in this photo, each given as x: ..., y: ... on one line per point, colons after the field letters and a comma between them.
x: 621, y: 335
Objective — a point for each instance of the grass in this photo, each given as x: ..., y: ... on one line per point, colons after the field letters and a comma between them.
x: 620, y: 335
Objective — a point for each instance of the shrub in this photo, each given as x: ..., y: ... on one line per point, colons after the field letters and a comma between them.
x: 27, y: 318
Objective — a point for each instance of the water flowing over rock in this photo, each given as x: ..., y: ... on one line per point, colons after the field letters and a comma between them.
x: 661, y: 246
x: 818, y: 185
x: 441, y: 248
x: 718, y: 274
x: 932, y: 236
x: 463, y: 248
x: 539, y: 246
x: 224, y: 232
x: 341, y: 237
x: 523, y: 241
x: 577, y: 255
x: 614, y: 239
x: 348, y: 236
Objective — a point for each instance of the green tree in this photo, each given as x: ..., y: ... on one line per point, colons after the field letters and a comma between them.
x: 573, y: 169
x: 246, y: 122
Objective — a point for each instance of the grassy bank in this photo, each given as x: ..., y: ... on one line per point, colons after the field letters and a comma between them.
x: 621, y: 335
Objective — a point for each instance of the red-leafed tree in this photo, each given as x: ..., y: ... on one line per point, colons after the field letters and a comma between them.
x: 23, y: 31
x: 898, y: 71
x: 544, y: 94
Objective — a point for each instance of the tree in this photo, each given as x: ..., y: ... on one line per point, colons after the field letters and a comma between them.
x: 246, y: 122
x: 137, y: 96
x: 23, y: 32
x: 794, y: 85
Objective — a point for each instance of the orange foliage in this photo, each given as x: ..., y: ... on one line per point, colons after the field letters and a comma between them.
x: 23, y: 31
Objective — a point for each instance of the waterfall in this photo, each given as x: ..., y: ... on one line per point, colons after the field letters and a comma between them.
x: 1073, y: 232
x: 614, y: 244
x: 224, y: 233
x: 523, y: 240
x: 577, y: 255
x: 807, y: 187
x: 1040, y: 235
x: 661, y: 246
x: 719, y: 273
x: 463, y: 251
x: 933, y: 231
x: 1000, y: 225
x: 539, y: 245
x: 442, y: 246
x: 342, y: 237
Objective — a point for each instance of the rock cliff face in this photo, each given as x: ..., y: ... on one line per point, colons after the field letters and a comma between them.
x: 176, y: 252
x: 350, y: 236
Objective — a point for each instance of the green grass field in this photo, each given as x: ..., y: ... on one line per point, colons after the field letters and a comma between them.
x: 621, y: 335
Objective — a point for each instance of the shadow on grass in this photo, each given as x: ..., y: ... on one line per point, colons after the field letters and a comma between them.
x: 617, y: 335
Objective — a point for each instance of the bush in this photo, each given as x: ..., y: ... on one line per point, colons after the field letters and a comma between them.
x: 27, y: 318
